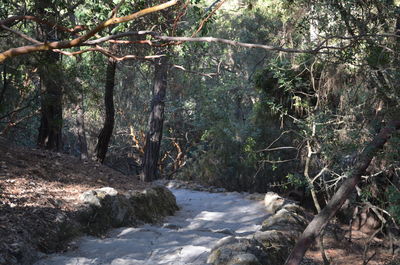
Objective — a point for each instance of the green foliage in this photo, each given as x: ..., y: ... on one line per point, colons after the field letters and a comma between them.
x: 297, y: 181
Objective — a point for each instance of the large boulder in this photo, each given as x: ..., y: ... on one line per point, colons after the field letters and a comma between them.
x: 153, y: 204
x: 105, y: 208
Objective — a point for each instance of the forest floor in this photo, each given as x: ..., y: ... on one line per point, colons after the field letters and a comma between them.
x: 340, y: 251
x: 37, y: 187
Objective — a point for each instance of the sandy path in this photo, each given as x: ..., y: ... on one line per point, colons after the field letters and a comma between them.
x: 186, y: 238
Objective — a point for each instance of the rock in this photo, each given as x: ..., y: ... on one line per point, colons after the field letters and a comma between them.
x: 109, y: 191
x: 93, y: 197
x: 269, y: 246
x: 279, y: 232
x: 289, y: 218
x: 21, y: 253
x: 172, y: 226
x: 273, y: 202
x: 244, y: 259
x: 153, y: 204
x: 105, y: 208
x: 218, y: 190
x: 180, y: 184
x: 241, y: 251
x: 174, y: 184
x: 225, y: 241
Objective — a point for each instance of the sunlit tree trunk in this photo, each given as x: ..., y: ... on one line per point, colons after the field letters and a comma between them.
x: 106, y: 132
x: 156, y: 121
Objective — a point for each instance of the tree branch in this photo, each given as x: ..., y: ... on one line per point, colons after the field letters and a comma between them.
x: 20, y: 34
x: 243, y: 44
x: 209, y: 75
x: 10, y: 20
x: 78, y: 41
x: 118, y: 36
x: 109, y: 54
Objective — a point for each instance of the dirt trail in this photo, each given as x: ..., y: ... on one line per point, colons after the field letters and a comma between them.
x: 187, y: 238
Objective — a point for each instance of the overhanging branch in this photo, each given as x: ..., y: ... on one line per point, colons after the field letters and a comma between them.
x: 79, y: 40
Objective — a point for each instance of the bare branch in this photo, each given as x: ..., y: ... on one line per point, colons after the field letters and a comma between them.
x: 278, y: 161
x: 201, y: 25
x: 274, y: 141
x: 210, y: 75
x: 20, y: 34
x: 109, y: 54
x: 243, y: 44
x: 115, y: 10
x: 319, y: 174
x: 117, y: 36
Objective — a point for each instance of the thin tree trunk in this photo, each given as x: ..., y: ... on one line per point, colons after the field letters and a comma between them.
x: 319, y: 222
x: 5, y: 84
x: 106, y: 132
x: 80, y: 123
x: 156, y: 121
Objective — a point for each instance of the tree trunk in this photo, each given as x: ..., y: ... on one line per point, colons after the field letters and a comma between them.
x: 321, y: 220
x: 156, y: 120
x: 5, y: 85
x: 106, y: 133
x: 50, y: 130
x: 80, y: 123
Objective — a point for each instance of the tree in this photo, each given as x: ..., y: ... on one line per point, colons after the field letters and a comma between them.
x: 106, y: 131
x: 156, y: 121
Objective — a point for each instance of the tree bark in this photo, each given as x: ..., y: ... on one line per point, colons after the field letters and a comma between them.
x: 51, y: 122
x: 108, y: 127
x: 321, y: 220
x: 156, y: 121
